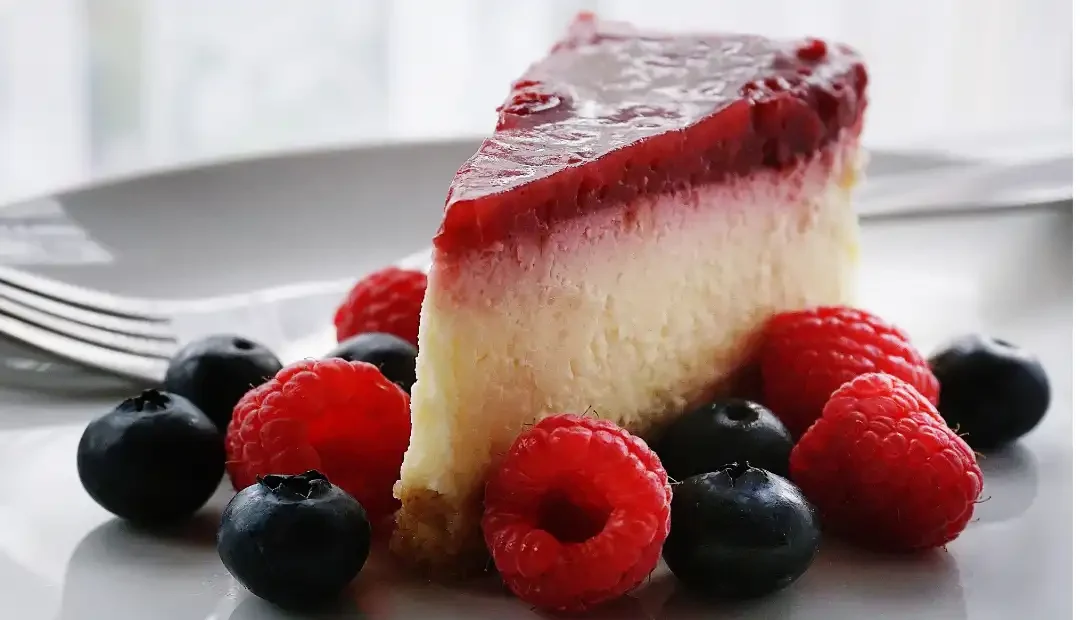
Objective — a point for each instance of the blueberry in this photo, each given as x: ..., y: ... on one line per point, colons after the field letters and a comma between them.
x: 153, y: 459
x: 394, y: 357
x: 740, y: 532
x: 296, y: 541
x: 215, y: 373
x: 992, y: 392
x: 721, y: 433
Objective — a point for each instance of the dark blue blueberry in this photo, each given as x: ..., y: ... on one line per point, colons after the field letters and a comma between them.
x: 992, y: 392
x: 721, y: 433
x: 740, y: 532
x: 296, y: 541
x: 215, y: 373
x: 394, y: 357
x: 154, y: 459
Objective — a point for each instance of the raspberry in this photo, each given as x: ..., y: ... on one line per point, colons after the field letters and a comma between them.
x: 387, y: 301
x: 884, y: 470
x: 342, y: 418
x: 576, y: 513
x: 808, y: 354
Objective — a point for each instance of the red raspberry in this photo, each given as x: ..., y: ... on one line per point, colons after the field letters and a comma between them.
x: 342, y: 418
x: 808, y: 354
x: 576, y: 513
x: 386, y: 301
x: 884, y: 470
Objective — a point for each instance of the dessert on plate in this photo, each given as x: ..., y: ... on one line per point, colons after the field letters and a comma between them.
x: 646, y: 202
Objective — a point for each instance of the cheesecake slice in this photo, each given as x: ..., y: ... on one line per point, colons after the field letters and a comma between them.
x: 645, y: 203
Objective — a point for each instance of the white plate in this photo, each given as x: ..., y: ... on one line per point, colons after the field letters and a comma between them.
x: 1005, y: 272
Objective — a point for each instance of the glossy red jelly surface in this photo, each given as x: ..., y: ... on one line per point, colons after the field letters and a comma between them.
x: 613, y: 113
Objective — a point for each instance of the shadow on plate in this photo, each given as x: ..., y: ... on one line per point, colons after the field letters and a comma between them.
x: 387, y: 590
x: 254, y: 608
x: 121, y: 572
x: 1010, y: 484
x: 842, y: 583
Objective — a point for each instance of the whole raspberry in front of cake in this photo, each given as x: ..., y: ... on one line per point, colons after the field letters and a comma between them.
x: 387, y: 301
x: 807, y: 354
x: 884, y: 470
x: 576, y: 513
x: 342, y: 418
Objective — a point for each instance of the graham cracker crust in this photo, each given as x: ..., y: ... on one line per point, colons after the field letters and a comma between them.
x: 438, y: 537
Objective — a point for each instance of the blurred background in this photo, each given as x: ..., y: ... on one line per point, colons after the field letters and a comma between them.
x: 100, y: 87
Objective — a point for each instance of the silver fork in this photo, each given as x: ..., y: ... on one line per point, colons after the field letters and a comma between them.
x: 135, y: 338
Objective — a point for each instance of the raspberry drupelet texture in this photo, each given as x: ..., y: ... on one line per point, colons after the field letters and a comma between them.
x: 387, y: 301
x: 342, y: 418
x: 576, y: 513
x: 807, y: 354
x: 884, y: 470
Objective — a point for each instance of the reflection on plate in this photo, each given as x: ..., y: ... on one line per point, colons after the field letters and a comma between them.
x: 1010, y: 484
x: 118, y: 572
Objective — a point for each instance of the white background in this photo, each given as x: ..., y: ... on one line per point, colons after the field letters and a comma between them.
x: 93, y: 87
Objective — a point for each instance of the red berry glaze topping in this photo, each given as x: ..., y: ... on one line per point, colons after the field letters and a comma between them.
x: 528, y: 97
x: 808, y: 354
x: 884, y: 470
x: 387, y: 301
x: 614, y: 113
x: 342, y: 418
x: 812, y: 51
x: 576, y: 513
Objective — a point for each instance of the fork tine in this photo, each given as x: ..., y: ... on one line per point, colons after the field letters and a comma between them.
x: 126, y: 343
x: 153, y: 329
x: 139, y: 368
x: 95, y: 301
x: 131, y: 338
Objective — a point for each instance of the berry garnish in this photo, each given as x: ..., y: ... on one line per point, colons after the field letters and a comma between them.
x: 386, y: 301
x: 740, y: 532
x: 342, y: 418
x: 808, y: 354
x: 884, y: 470
x: 992, y: 392
x: 722, y: 433
x: 153, y: 459
x: 576, y: 513
x: 215, y: 373
x: 296, y: 541
x: 394, y: 357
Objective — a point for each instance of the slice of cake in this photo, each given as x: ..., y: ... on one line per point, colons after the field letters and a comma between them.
x: 646, y: 202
